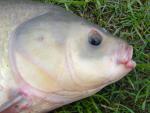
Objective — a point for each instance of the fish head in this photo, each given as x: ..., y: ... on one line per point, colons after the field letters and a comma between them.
x: 97, y: 58
x: 55, y: 55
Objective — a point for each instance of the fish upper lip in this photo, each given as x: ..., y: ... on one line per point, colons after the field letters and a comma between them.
x: 129, y: 52
x: 125, y: 57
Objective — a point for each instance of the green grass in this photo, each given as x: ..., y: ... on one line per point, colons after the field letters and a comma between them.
x: 130, y: 20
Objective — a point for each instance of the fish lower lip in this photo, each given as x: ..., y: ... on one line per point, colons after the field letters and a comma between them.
x: 130, y: 64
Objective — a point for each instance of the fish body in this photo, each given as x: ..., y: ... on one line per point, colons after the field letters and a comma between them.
x: 50, y: 57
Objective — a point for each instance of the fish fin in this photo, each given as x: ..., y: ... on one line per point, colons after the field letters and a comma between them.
x: 15, y: 105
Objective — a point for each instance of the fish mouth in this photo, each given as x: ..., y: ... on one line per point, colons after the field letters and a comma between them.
x: 125, y: 57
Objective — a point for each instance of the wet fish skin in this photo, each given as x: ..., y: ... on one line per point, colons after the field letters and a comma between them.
x: 46, y: 60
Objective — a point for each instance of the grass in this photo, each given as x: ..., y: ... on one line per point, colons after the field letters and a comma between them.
x: 128, y: 19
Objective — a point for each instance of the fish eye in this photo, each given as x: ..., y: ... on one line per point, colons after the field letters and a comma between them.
x: 95, y: 38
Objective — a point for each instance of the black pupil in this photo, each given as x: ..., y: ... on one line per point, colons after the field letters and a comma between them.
x: 95, y: 40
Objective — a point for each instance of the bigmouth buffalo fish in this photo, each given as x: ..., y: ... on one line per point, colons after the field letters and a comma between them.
x: 50, y: 57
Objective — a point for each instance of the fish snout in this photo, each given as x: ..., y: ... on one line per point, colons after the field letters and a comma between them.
x: 124, y: 56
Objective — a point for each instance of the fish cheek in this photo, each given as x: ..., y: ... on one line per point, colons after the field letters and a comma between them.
x: 34, y: 75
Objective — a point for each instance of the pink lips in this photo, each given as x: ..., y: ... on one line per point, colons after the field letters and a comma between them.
x: 125, y: 57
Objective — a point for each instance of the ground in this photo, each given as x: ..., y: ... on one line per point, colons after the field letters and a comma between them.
x: 130, y: 20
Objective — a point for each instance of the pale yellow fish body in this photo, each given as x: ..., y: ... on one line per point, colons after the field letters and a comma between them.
x: 49, y: 57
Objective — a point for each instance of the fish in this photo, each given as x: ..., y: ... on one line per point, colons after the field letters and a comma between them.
x: 50, y: 57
